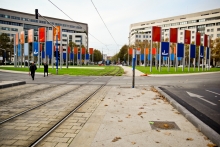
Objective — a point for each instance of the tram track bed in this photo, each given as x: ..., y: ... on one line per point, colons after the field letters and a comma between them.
x: 25, y: 129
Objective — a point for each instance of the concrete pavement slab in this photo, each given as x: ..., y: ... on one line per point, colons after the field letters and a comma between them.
x: 123, y: 119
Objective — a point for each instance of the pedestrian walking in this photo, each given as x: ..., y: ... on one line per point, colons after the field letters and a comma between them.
x: 45, y: 68
x: 32, y: 70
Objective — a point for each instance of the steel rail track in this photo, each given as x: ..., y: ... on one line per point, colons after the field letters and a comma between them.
x: 25, y: 111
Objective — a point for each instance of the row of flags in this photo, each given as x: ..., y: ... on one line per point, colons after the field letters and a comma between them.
x: 180, y: 48
x: 165, y: 50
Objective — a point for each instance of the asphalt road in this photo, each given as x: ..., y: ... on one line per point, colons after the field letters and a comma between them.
x: 199, y: 93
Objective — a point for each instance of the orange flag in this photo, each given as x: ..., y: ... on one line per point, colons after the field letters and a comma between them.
x: 75, y: 50
x: 147, y: 51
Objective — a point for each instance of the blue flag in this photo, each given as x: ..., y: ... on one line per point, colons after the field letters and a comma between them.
x: 71, y: 56
x: 64, y: 56
x: 201, y: 51
x: 193, y: 51
x: 180, y: 50
x: 149, y: 57
x: 87, y: 56
x: 19, y: 50
x: 142, y: 57
x: 43, y: 54
x: 26, y: 48
x: 165, y: 49
x: 172, y: 57
x: 35, y: 49
x: 49, y: 47
x: 207, y: 53
x: 79, y: 56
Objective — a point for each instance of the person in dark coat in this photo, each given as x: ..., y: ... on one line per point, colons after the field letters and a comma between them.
x: 45, y: 69
x: 32, y: 70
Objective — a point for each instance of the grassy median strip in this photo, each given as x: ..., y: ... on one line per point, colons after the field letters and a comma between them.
x: 76, y: 71
x: 164, y: 70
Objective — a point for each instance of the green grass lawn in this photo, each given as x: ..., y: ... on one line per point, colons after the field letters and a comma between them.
x: 164, y: 70
x: 84, y: 71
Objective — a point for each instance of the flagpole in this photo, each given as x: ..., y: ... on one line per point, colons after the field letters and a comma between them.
x: 189, y: 58
x: 199, y: 60
x: 151, y: 45
x: 183, y: 59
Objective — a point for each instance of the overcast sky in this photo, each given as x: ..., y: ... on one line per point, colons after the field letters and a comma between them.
x: 117, y: 14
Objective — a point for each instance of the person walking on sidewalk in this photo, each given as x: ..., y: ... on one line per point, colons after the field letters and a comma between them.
x: 45, y: 68
x: 32, y: 70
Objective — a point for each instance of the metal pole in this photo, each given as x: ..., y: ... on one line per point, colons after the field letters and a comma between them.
x: 81, y: 52
x: 160, y: 57
x: 57, y: 54
x: 67, y: 54
x: 133, y: 65
x: 145, y: 56
x: 151, y: 46
x: 189, y: 58
x: 176, y: 57
x: 209, y: 58
x: 199, y: 60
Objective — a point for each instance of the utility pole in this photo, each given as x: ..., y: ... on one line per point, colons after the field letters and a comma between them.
x: 36, y: 17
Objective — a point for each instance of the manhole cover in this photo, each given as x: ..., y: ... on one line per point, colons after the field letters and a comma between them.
x: 163, y: 125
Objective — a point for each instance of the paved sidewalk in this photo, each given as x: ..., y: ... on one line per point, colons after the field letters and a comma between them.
x: 137, y: 117
x: 129, y: 72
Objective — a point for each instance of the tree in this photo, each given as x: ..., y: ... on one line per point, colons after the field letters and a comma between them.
x: 97, y: 55
x: 4, y: 44
x: 215, y: 51
x: 4, y: 41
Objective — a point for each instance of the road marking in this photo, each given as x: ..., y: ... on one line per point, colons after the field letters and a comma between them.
x: 200, y: 97
x: 213, y: 92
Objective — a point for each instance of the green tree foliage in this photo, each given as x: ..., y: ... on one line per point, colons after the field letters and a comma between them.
x: 72, y: 44
x: 97, y: 55
x: 4, y: 41
x: 215, y: 50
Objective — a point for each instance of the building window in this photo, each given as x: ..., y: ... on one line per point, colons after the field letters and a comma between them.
x: 212, y: 30
x: 65, y: 40
x: 218, y: 29
x: 5, y: 28
x: 44, y: 22
x: 139, y: 36
x: 14, y: 29
x: 64, y: 35
x: 143, y: 36
x: 181, y: 33
x: 15, y: 17
x: 25, y: 19
x: 77, y: 40
x: 146, y: 36
x: 211, y: 35
x: 208, y: 30
x: 4, y: 16
x: 193, y: 32
x: 201, y: 20
x: 34, y: 20
x: 218, y: 35
x: 136, y: 36
x: 192, y: 37
x: 218, y: 24
x: 50, y: 28
x: 70, y: 37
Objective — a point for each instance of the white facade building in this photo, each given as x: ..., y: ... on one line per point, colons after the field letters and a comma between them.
x: 207, y: 22
x: 12, y: 22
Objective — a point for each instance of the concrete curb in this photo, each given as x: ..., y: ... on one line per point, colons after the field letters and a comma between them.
x: 206, y: 130
x: 21, y: 72
x: 12, y: 84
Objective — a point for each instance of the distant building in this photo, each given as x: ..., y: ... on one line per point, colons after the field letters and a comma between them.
x: 12, y: 22
x: 207, y: 22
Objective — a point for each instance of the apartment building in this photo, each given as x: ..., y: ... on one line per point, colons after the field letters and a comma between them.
x: 207, y: 22
x: 12, y: 22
